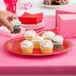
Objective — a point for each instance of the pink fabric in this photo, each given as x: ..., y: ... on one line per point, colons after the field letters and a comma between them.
x: 38, y: 74
x: 58, y: 64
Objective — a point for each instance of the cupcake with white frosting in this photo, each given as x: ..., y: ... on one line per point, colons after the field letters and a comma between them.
x: 16, y: 24
x: 57, y: 41
x: 36, y: 41
x: 30, y: 34
x: 46, y: 46
x: 27, y: 46
x: 48, y: 35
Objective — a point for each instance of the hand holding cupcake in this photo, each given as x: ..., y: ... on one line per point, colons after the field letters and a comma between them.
x: 16, y: 24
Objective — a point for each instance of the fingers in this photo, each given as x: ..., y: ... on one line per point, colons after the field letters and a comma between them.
x: 7, y: 24
x: 5, y: 16
x: 12, y: 16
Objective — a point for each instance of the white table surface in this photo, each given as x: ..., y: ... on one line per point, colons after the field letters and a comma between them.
x: 36, y: 8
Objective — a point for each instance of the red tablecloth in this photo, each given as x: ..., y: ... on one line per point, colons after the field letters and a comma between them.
x: 17, y: 64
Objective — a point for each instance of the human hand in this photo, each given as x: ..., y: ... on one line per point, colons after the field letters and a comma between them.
x: 4, y: 17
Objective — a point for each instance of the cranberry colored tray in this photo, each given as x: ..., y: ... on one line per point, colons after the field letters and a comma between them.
x: 13, y: 46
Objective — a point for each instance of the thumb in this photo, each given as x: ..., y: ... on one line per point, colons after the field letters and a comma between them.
x: 7, y: 24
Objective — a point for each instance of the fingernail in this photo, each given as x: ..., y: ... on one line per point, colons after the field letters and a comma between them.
x: 12, y: 30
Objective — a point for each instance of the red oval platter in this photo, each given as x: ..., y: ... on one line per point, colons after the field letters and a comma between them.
x: 13, y: 46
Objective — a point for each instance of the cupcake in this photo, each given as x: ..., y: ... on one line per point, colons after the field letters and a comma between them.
x: 27, y: 46
x: 16, y: 24
x: 46, y: 46
x: 30, y: 34
x: 48, y: 35
x: 36, y: 41
x: 57, y: 42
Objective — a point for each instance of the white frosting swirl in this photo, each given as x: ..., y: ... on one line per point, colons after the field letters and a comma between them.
x: 48, y: 34
x: 15, y: 22
x: 57, y: 38
x: 30, y: 33
x: 37, y: 39
x: 26, y: 44
x: 46, y: 44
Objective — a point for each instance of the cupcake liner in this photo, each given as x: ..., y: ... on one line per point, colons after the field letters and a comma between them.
x: 36, y: 45
x: 46, y: 50
x: 28, y: 38
x: 17, y: 29
x: 57, y: 45
x: 47, y: 38
x: 27, y: 50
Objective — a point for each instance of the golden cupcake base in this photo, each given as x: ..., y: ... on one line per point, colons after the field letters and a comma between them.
x: 28, y: 38
x: 46, y: 50
x: 28, y: 50
x: 36, y: 45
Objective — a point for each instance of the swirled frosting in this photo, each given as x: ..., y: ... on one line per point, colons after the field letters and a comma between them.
x: 37, y: 39
x: 48, y: 34
x: 30, y: 33
x: 57, y: 38
x: 46, y: 44
x: 15, y: 22
x: 26, y: 44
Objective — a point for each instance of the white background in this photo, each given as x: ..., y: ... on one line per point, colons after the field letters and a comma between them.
x: 37, y: 7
